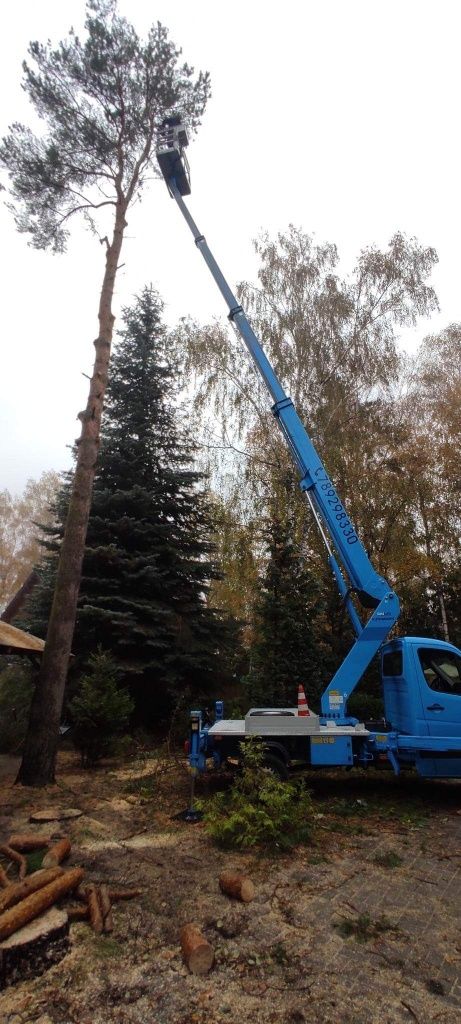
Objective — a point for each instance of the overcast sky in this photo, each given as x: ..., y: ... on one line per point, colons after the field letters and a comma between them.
x: 340, y: 117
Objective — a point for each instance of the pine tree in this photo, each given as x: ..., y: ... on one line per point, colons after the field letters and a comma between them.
x: 149, y: 556
x: 101, y: 102
x: 288, y: 623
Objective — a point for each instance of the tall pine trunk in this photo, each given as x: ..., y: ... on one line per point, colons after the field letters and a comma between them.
x: 39, y: 758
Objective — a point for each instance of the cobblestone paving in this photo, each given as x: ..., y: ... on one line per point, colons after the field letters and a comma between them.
x: 412, y: 968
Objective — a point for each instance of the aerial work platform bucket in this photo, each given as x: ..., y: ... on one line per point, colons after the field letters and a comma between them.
x: 172, y: 140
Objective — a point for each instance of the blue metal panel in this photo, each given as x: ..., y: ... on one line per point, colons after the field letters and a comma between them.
x: 331, y: 750
x: 402, y: 703
x: 438, y: 768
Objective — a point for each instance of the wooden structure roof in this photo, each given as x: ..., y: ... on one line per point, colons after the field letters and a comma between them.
x: 15, y: 640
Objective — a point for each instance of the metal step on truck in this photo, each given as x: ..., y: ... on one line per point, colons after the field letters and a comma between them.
x: 421, y: 677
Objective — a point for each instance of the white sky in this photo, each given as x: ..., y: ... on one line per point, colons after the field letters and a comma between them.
x: 341, y: 117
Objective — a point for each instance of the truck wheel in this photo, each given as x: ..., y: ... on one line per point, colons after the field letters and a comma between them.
x: 276, y: 766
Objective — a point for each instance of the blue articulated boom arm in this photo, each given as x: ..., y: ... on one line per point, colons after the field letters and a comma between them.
x: 342, y: 542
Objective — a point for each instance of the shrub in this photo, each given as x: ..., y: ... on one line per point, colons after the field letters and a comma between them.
x: 16, y: 686
x: 259, y: 810
x: 100, y: 711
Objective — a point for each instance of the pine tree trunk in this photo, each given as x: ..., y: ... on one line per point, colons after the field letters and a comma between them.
x: 39, y: 758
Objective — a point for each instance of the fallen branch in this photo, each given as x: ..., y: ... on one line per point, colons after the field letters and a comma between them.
x: 106, y: 908
x: 4, y: 880
x: 124, y: 894
x: 114, y: 894
x: 95, y: 915
x: 17, y: 858
x: 410, y: 1010
x: 33, y: 905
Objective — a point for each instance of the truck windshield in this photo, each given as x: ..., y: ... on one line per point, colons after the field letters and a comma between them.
x: 442, y: 670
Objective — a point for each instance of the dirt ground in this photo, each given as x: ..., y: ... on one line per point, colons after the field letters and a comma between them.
x: 361, y: 926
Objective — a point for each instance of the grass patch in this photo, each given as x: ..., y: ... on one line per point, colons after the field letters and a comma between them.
x: 146, y: 786
x: 317, y: 858
x: 388, y: 859
x: 106, y: 948
x: 279, y: 954
x: 343, y: 808
x: 346, y: 828
x: 34, y: 859
x: 363, y: 928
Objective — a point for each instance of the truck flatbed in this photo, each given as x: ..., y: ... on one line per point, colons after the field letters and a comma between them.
x: 236, y: 728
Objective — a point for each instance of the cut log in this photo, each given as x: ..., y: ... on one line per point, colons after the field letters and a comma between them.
x: 34, y: 948
x: 17, y: 858
x: 18, y: 891
x: 106, y: 908
x: 197, y: 952
x: 124, y: 894
x: 78, y: 912
x: 114, y: 894
x: 57, y: 853
x: 25, y: 843
x: 33, y: 905
x: 94, y: 907
x: 238, y: 887
x: 55, y: 814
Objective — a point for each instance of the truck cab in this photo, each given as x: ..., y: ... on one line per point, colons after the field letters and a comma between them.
x: 422, y: 686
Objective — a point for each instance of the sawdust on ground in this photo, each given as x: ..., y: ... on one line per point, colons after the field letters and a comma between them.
x: 360, y: 927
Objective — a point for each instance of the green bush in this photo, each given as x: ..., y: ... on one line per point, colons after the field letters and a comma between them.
x: 259, y: 811
x: 16, y: 687
x: 101, y: 709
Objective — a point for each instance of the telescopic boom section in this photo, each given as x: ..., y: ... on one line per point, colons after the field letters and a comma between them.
x: 343, y: 544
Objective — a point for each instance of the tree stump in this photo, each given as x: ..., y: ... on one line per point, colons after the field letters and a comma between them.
x: 238, y: 887
x: 55, y: 814
x: 197, y: 952
x: 34, y: 948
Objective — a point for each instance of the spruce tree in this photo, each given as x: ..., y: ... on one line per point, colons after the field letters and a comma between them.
x: 287, y: 648
x: 148, y: 559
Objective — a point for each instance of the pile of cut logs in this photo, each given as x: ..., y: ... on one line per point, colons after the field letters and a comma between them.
x: 24, y: 900
x: 30, y: 897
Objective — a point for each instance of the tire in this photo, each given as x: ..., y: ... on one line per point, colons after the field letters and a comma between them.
x: 277, y: 767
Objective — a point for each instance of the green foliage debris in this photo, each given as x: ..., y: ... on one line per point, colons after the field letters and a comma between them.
x: 259, y: 811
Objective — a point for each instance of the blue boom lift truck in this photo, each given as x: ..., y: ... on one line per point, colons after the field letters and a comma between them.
x: 421, y: 678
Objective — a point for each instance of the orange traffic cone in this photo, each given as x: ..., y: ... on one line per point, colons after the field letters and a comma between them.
x: 303, y: 709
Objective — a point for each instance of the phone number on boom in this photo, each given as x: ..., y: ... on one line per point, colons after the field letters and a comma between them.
x: 335, y: 506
